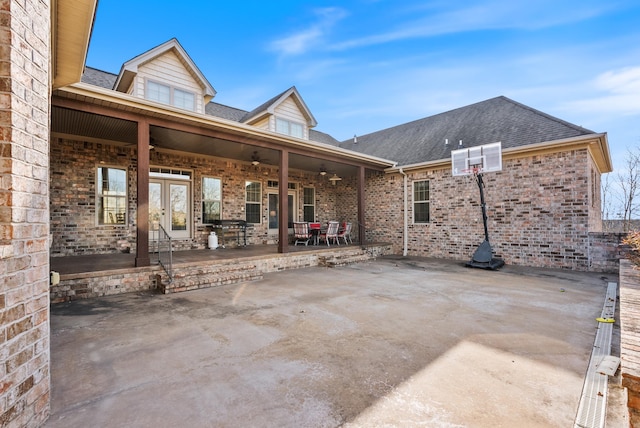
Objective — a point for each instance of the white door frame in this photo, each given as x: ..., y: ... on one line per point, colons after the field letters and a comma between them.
x: 293, y: 212
x: 164, y: 214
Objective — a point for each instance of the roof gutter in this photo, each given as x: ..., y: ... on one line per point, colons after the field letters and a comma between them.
x: 596, y: 143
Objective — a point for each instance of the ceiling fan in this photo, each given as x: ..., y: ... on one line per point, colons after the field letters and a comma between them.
x: 255, y: 158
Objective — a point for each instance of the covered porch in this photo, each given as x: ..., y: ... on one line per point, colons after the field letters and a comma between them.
x: 153, y: 146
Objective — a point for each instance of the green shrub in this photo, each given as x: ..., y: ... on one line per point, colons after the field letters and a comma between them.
x: 633, y: 241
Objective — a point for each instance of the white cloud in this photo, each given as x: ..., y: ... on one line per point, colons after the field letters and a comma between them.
x: 624, y: 81
x: 452, y: 17
x: 619, y: 93
x: 300, y: 42
x: 297, y: 43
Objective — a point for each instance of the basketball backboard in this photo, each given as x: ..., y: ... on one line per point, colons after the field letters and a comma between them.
x: 478, y: 159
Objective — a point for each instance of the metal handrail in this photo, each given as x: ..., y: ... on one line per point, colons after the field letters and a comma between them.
x: 364, y: 227
x: 165, y: 252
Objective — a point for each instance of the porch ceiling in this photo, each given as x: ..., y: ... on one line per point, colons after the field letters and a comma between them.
x: 116, y: 131
x: 164, y: 138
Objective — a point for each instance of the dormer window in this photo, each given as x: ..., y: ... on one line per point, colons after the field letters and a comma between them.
x: 169, y: 95
x: 184, y: 99
x: 288, y: 127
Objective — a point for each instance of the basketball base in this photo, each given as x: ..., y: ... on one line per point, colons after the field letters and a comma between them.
x: 483, y: 258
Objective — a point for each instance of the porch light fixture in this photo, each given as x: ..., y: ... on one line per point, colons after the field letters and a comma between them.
x: 334, y: 178
x: 323, y: 170
x: 255, y: 159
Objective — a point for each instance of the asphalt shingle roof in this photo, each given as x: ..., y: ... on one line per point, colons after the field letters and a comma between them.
x: 96, y: 77
x: 103, y: 79
x: 423, y: 140
x: 262, y: 107
x: 224, y: 112
x: 497, y: 119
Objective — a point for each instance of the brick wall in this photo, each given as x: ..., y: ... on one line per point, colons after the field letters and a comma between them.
x: 543, y: 210
x: 74, y: 226
x: 539, y: 209
x: 194, y: 275
x: 24, y: 213
x: 605, y: 251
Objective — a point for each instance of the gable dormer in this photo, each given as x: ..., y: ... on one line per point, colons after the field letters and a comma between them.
x: 285, y: 113
x: 166, y: 74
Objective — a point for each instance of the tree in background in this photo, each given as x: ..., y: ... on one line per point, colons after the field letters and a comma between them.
x: 607, y: 202
x: 621, y: 195
x: 629, y: 184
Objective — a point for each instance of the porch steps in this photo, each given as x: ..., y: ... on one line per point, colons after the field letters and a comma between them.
x: 343, y: 258
x: 199, y: 269
x: 196, y: 276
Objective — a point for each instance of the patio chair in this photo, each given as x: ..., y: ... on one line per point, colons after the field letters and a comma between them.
x: 345, y: 234
x: 331, y: 233
x: 301, y: 232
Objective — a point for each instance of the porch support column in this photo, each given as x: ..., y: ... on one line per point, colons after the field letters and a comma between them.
x: 142, y: 209
x: 361, y: 206
x: 283, y: 203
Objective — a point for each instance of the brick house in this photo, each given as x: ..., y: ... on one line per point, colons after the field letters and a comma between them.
x: 543, y: 207
x: 153, y: 133
x: 151, y: 136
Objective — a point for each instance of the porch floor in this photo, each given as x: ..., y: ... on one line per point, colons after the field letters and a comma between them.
x: 68, y: 265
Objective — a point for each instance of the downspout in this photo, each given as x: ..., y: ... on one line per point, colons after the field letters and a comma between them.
x: 405, y: 226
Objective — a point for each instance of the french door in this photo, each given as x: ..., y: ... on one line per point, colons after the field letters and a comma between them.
x: 170, y: 207
x: 274, y: 210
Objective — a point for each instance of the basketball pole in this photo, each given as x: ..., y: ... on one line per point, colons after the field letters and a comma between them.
x: 483, y: 205
x: 483, y: 256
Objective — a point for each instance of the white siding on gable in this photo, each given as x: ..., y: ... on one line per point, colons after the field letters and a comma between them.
x: 289, y: 110
x: 264, y: 124
x: 169, y: 70
x: 132, y: 90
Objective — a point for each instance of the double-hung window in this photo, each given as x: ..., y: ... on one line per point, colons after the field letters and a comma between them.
x: 308, y: 204
x: 284, y: 126
x: 158, y: 92
x: 253, y: 201
x: 169, y: 95
x: 111, y: 195
x: 211, y: 199
x: 421, y: 201
x: 184, y: 99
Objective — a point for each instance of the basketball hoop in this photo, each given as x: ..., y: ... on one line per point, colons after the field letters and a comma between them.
x: 475, y: 161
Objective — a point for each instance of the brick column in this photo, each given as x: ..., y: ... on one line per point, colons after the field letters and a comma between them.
x: 24, y: 212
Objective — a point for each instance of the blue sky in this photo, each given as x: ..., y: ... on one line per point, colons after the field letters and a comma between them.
x: 365, y: 65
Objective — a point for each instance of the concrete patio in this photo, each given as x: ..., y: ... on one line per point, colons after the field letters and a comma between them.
x: 394, y: 342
